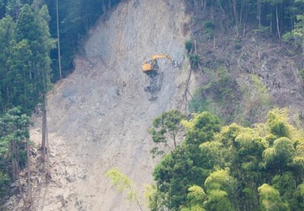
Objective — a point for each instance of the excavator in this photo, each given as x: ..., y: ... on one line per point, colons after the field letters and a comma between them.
x: 150, y: 67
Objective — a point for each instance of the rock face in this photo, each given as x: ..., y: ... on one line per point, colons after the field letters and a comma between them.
x: 99, y: 115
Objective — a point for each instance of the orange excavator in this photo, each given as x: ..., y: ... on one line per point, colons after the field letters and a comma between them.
x: 150, y: 67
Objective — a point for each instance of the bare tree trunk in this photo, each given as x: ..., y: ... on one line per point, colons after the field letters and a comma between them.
x: 259, y: 9
x: 110, y: 4
x: 270, y: 24
x: 19, y: 182
x: 45, y: 142
x: 235, y: 17
x: 303, y: 42
x: 220, y: 5
x: 58, y: 42
x: 104, y: 7
x: 203, y: 5
x: 277, y: 20
x: 43, y: 145
x: 29, y: 191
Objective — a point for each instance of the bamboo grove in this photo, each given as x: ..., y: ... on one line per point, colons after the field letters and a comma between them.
x: 228, y: 167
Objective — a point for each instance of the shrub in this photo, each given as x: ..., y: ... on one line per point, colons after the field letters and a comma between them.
x: 188, y: 45
x: 194, y: 60
x: 301, y: 72
x: 209, y: 29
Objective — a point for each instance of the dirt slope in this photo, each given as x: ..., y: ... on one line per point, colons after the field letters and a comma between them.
x: 99, y: 115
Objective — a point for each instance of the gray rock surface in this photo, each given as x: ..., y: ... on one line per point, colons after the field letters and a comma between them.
x: 99, y: 115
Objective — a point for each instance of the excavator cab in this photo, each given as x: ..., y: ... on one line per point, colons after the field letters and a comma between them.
x: 150, y: 67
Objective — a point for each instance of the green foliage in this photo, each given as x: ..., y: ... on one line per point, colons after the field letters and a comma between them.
x: 218, y: 200
x: 220, y: 180
x: 173, y: 176
x: 75, y: 20
x: 262, y: 91
x: 25, y: 71
x: 296, y: 35
x: 255, y: 98
x: 188, y: 45
x: 233, y: 167
x: 270, y: 199
x: 209, y: 29
x: 165, y: 130
x: 25, y: 74
x: 217, y: 95
x: 194, y: 60
x: 153, y: 198
x: 123, y: 184
x: 13, y: 135
x: 276, y: 121
x: 4, y: 183
x: 183, y: 167
x: 280, y: 155
x: 301, y: 72
x: 196, y: 196
x: 199, y: 103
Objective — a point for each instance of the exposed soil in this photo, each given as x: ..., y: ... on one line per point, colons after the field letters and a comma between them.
x: 99, y: 116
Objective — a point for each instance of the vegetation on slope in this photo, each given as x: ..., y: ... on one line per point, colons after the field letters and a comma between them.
x: 25, y: 77
x: 26, y: 70
x: 215, y: 167
x: 249, y: 54
x: 232, y: 167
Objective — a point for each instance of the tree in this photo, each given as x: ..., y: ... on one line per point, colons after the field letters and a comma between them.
x: 296, y: 35
x: 14, y: 135
x: 7, y: 27
x: 165, y: 130
x: 280, y: 155
x: 196, y: 198
x: 21, y: 88
x: 123, y: 184
x: 58, y: 40
x: 270, y: 199
x: 236, y: 163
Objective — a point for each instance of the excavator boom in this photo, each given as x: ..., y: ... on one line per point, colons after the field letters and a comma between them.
x: 162, y: 56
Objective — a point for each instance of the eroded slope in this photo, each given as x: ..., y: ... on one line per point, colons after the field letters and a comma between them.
x: 98, y: 116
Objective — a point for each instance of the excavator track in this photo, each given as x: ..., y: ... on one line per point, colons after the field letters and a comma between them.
x: 156, y: 82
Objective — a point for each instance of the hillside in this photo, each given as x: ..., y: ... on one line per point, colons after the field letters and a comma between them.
x: 243, y: 75
x: 98, y: 117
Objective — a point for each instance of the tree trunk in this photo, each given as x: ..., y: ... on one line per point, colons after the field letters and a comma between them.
x: 277, y: 20
x: 110, y: 4
x: 303, y: 42
x: 19, y: 182
x: 58, y: 41
x: 259, y: 11
x: 235, y: 17
x: 104, y: 7
x: 45, y: 142
x: 43, y: 145
x: 29, y: 191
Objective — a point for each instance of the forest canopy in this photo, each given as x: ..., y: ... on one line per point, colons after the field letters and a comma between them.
x: 233, y: 167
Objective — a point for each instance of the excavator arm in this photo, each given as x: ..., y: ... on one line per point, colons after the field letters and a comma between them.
x: 162, y: 56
